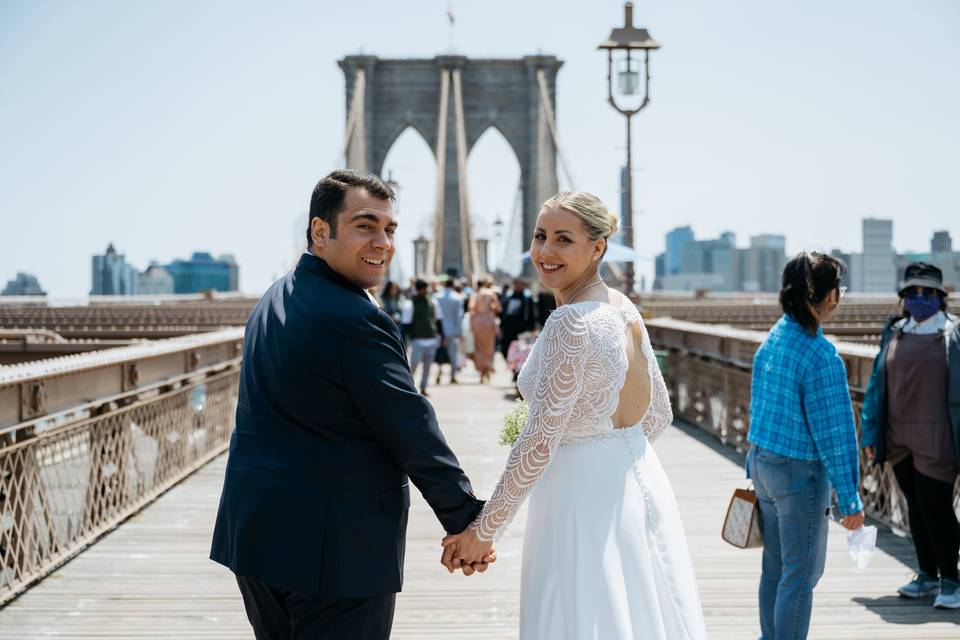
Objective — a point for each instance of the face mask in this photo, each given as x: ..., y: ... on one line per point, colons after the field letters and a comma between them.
x: 920, y: 308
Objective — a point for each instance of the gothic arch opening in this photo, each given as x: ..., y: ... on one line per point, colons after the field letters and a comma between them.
x: 493, y: 179
x: 411, y: 164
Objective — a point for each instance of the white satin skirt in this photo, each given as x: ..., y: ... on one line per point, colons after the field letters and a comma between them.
x: 604, y: 552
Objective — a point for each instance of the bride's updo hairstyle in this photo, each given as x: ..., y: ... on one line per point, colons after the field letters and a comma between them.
x: 598, y: 220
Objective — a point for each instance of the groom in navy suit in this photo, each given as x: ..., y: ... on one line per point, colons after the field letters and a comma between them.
x: 329, y: 427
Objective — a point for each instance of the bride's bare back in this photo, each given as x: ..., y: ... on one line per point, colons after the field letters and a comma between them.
x: 635, y: 394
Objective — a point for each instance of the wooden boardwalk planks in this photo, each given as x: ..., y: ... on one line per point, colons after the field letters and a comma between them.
x: 151, y: 577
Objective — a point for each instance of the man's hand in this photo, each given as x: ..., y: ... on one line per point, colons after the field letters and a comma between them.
x: 452, y: 564
x: 870, y: 452
x: 852, y: 522
x: 467, y: 552
x: 479, y: 567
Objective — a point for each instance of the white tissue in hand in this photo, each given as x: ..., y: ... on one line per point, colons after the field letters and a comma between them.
x: 862, y: 542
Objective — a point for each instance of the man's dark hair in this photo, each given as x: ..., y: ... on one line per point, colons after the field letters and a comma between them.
x: 449, y: 284
x: 420, y: 285
x: 327, y: 199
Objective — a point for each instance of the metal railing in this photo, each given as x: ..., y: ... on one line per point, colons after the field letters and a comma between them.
x: 129, y: 321
x: 708, y: 371
x: 73, y: 469
x: 858, y: 321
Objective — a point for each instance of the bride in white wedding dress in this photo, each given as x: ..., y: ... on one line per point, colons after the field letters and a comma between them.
x: 604, y: 553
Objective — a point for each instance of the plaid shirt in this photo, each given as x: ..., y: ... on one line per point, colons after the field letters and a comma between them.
x: 800, y: 406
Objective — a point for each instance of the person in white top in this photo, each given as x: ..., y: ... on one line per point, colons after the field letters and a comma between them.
x: 604, y: 554
x: 450, y: 308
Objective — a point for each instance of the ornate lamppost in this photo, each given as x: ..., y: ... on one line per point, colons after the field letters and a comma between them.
x: 625, y: 40
x: 498, y: 238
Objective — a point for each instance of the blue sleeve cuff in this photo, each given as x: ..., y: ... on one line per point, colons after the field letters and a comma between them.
x: 850, y: 505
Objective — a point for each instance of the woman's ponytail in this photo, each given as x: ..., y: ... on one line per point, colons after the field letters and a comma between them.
x: 807, y: 280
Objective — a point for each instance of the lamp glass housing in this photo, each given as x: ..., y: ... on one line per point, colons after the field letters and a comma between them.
x: 629, y: 80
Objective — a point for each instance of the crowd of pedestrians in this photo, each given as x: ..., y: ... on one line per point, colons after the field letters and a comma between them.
x: 449, y: 322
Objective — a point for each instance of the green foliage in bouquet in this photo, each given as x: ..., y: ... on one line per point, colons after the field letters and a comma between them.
x: 513, y: 423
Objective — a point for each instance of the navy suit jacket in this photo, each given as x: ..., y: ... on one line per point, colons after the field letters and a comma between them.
x: 329, y: 428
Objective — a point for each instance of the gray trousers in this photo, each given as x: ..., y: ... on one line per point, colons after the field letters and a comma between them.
x: 453, y: 350
x: 422, y: 355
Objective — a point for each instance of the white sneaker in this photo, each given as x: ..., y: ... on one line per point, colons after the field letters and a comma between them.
x: 920, y: 587
x: 949, y: 596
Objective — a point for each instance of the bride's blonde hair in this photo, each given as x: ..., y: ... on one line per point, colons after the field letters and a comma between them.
x: 599, y: 221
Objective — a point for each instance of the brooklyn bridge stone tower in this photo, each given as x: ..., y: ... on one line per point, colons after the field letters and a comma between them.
x: 450, y: 101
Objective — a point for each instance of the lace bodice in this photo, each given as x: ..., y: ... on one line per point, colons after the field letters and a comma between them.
x: 571, y: 382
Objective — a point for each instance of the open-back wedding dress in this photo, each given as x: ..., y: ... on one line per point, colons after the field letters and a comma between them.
x: 604, y: 554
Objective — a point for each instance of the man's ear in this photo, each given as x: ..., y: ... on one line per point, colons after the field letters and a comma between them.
x: 319, y: 232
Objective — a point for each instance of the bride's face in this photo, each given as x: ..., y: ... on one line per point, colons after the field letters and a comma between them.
x: 561, y: 250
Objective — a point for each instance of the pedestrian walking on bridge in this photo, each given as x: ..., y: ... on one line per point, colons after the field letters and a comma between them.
x: 422, y: 322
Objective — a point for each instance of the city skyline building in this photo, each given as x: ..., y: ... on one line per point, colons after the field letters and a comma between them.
x: 111, y: 275
x: 676, y: 238
x: 878, y: 261
x: 762, y: 263
x: 203, y: 272
x: 941, y: 242
x: 155, y: 280
x: 718, y: 257
x: 23, y: 284
x: 941, y: 255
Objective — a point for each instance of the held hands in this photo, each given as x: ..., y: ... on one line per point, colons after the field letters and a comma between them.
x: 465, y: 551
x: 870, y: 452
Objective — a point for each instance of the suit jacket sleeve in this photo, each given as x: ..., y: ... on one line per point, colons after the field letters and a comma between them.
x: 376, y: 374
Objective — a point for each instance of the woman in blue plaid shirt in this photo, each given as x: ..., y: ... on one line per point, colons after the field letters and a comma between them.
x: 803, y: 442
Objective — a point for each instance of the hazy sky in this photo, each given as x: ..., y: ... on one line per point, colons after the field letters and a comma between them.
x: 173, y: 126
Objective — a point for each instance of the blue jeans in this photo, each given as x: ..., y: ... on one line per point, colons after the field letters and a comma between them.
x: 794, y: 497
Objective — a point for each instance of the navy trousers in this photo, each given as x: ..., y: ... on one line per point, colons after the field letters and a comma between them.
x: 278, y: 614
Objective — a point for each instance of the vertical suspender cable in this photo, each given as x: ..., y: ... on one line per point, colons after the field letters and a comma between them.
x: 545, y: 106
x: 436, y: 247
x: 468, y: 247
x: 355, y: 126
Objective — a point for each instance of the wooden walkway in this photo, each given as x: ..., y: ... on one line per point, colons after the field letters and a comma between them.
x: 151, y: 577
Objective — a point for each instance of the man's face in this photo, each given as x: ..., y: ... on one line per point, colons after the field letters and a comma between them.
x: 364, y: 243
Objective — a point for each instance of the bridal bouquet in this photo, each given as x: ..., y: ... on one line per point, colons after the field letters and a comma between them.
x: 513, y: 423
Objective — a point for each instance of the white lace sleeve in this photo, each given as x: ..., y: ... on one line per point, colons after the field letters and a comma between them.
x: 562, y: 347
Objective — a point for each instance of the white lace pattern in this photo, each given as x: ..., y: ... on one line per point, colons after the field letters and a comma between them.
x: 571, y: 382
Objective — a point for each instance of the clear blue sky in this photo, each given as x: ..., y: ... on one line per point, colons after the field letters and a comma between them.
x: 174, y: 126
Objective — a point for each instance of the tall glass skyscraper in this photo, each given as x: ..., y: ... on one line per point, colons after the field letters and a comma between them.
x: 674, y: 255
x: 203, y: 272
x: 111, y: 275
